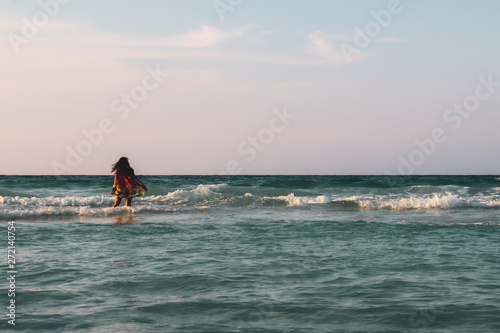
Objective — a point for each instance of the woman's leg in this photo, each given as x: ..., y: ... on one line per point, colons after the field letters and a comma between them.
x: 128, y: 202
x: 118, y: 200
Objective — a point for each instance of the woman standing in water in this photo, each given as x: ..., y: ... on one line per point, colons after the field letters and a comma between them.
x: 126, y: 184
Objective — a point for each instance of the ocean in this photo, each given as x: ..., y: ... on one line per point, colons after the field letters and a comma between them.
x: 252, y: 254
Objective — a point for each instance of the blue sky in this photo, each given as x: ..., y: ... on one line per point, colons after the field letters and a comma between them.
x: 250, y: 86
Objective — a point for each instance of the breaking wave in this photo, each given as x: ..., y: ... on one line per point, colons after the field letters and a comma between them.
x: 213, y: 196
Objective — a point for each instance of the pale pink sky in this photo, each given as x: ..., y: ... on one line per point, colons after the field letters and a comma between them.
x: 104, y: 68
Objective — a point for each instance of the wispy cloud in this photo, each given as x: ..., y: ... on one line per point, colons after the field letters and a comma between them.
x: 71, y: 32
x: 205, y: 43
x: 326, y: 47
x: 202, y: 37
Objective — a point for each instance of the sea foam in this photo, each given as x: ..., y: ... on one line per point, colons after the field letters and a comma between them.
x: 221, y: 195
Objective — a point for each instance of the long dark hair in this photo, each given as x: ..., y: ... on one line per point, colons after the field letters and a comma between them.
x: 123, y: 166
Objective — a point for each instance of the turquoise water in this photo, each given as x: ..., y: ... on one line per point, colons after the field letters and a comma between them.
x: 255, y: 254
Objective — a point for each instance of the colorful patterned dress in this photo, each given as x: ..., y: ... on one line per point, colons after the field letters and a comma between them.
x: 127, y: 185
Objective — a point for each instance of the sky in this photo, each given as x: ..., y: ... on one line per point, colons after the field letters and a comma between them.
x: 202, y: 87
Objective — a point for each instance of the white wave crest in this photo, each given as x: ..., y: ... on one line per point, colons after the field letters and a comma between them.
x: 212, y: 196
x: 434, y: 201
x: 13, y: 213
x: 300, y: 201
x: 392, y: 202
x: 184, y: 196
x: 95, y: 200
